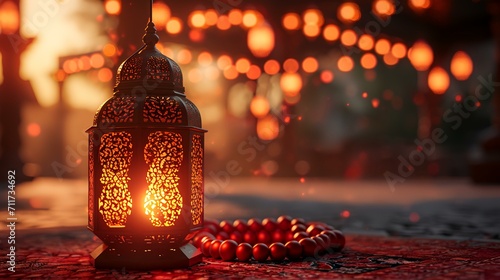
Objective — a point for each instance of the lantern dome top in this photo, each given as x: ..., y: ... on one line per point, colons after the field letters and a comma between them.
x: 149, y: 92
x: 148, y: 67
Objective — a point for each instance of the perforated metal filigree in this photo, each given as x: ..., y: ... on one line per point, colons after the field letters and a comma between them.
x: 162, y: 109
x: 196, y: 180
x: 131, y: 69
x: 115, y: 155
x: 91, y: 181
x: 193, y: 115
x: 176, y: 73
x: 118, y: 110
x: 163, y: 201
x: 158, y: 69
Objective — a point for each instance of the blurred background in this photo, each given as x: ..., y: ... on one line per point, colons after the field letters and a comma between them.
x: 336, y: 89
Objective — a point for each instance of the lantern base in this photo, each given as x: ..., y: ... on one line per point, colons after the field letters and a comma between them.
x: 106, y: 257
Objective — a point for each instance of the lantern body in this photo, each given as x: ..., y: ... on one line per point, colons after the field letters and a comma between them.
x: 146, y: 168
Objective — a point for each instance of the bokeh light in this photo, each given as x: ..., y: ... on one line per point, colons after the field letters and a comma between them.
x: 419, y: 4
x: 368, y: 61
x: 398, y: 50
x: 224, y: 61
x: 250, y: 18
x: 260, y: 40
x: 348, y: 38
x: 291, y: 21
x: 461, y: 66
x: 421, y: 56
x: 383, y: 7
x: 310, y: 64
x: 291, y: 65
x: 205, y: 58
x: 230, y: 72
x: 311, y: 30
x: 272, y: 67
x: 184, y: 56
x: 197, y: 19
x: 223, y: 23
x: 161, y: 14
x: 174, y: 26
x: 211, y: 17
x: 331, y: 32
x: 326, y: 76
x: 254, y: 72
x: 9, y: 17
x: 268, y: 128
x: 366, y: 42
x: 113, y: 7
x: 345, y: 63
x: 33, y: 129
x: 390, y: 59
x: 348, y: 12
x: 242, y: 65
x: 259, y: 106
x: 235, y: 17
x: 438, y: 80
x: 313, y: 17
x: 382, y: 46
x: 291, y: 84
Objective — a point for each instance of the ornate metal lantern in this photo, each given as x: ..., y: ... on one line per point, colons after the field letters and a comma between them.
x: 146, y: 167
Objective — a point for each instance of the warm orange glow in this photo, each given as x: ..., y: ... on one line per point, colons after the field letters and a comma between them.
x: 310, y: 64
x: 331, y: 32
x: 291, y: 83
x: 260, y: 40
x: 368, y: 61
x: 268, y: 128
x: 291, y: 21
x: 375, y: 102
x: 235, y: 17
x: 9, y: 17
x: 419, y: 4
x: 259, y: 106
x: 366, y: 42
x: 60, y: 75
x: 398, y: 50
x: 348, y: 12
x: 184, y: 56
x: 345, y: 63
x: 211, y: 17
x: 382, y: 46
x: 250, y: 18
x: 174, y: 26
x: 223, y: 23
x: 390, y: 60
x: 161, y: 14
x: 113, y: 7
x: 105, y: 75
x: 311, y: 31
x: 421, y: 56
x: 33, y: 129
x: 205, y: 58
x: 364, y: 95
x: 109, y: 50
x: 197, y: 19
x: 326, y: 76
x: 96, y: 61
x: 313, y: 17
x: 84, y: 63
x: 196, y: 35
x: 254, y: 72
x: 224, y: 61
x: 291, y: 65
x: 230, y: 72
x: 383, y: 7
x: 348, y: 38
x: 242, y: 65
x: 438, y: 80
x: 70, y: 66
x: 272, y: 67
x: 461, y: 66
x: 195, y: 75
x: 212, y: 73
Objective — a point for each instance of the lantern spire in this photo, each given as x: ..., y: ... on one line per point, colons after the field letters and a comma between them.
x: 150, y: 38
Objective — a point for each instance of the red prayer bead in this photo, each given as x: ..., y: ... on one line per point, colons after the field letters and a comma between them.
x: 254, y: 225
x: 293, y: 250
x: 244, y: 252
x: 277, y: 251
x: 321, y: 244
x: 236, y: 236
x: 260, y: 252
x: 325, y: 238
x: 297, y: 221
x: 205, y: 247
x: 222, y: 235
x: 226, y: 226
x: 214, y: 249
x: 264, y: 237
x: 284, y: 222
x: 198, y: 238
x: 298, y: 228
x: 240, y: 226
x: 340, y: 241
x: 227, y: 250
x: 312, y: 230
x: 278, y: 236
x: 250, y: 237
x: 289, y: 236
x: 269, y: 224
x: 309, y: 247
x: 299, y: 235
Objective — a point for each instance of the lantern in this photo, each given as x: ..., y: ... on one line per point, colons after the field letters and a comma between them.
x: 146, y: 167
